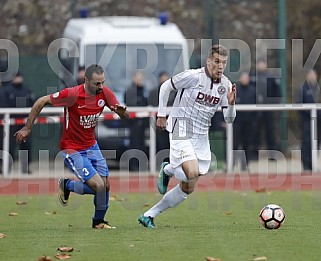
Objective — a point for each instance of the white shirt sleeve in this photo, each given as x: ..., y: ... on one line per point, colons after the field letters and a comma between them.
x: 164, y: 92
x: 183, y: 80
x: 229, y: 113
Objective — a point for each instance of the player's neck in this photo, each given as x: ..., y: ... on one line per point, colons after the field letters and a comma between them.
x: 85, y: 88
x: 87, y: 91
x: 209, y: 74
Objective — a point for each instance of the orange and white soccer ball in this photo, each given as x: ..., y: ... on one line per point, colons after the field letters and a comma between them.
x: 272, y: 216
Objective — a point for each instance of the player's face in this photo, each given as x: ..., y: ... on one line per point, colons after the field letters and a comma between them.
x: 95, y: 85
x: 216, y: 65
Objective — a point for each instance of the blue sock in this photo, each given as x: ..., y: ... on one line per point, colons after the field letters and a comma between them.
x: 79, y: 187
x: 102, y: 205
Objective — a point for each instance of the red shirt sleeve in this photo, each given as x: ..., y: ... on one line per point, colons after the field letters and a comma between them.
x: 110, y: 97
x: 66, y: 97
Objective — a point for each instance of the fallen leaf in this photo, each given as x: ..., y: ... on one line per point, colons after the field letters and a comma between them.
x: 260, y: 258
x: 261, y: 190
x: 65, y: 249
x: 21, y: 202
x: 51, y: 213
x: 2, y: 235
x: 62, y: 256
x: 209, y: 258
x: 102, y: 226
x: 228, y: 213
x: 13, y: 214
x: 117, y: 198
x: 45, y: 258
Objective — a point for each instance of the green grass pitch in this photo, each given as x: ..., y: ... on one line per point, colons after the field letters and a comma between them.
x: 224, y: 225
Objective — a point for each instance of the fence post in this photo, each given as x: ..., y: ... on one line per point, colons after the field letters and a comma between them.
x: 152, y: 142
x: 229, y: 147
x: 314, y: 139
x: 5, y: 153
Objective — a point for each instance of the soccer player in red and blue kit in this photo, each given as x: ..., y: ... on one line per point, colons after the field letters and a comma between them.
x: 82, y: 106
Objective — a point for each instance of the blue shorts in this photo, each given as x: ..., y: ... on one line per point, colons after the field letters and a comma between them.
x: 86, y: 163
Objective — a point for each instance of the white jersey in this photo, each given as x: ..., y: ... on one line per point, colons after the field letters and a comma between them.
x: 198, y: 98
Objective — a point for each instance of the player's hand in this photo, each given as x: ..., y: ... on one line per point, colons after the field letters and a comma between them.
x: 120, y: 110
x: 161, y: 123
x: 22, y: 134
x: 231, y: 95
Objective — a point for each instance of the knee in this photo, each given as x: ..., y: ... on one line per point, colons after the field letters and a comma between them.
x: 191, y: 174
x: 100, y: 187
x: 191, y: 170
x: 104, y: 185
x: 103, y: 188
x: 107, y: 186
x: 189, y: 186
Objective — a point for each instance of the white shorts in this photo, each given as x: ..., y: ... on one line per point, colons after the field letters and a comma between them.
x: 190, y: 149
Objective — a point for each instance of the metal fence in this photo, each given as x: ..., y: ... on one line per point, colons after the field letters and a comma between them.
x: 56, y: 113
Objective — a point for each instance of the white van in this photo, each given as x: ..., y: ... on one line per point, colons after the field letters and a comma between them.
x: 122, y: 45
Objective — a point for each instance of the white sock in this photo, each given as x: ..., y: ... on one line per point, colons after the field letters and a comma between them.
x: 178, y: 172
x: 169, y: 170
x: 171, y: 199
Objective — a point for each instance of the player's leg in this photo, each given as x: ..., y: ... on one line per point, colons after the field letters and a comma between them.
x: 177, y: 167
x: 100, y: 183
x: 86, y: 187
x: 101, y: 202
x: 188, y: 175
x: 187, y: 171
x: 92, y: 171
x: 167, y: 171
x: 96, y: 183
x: 82, y: 168
x: 165, y: 174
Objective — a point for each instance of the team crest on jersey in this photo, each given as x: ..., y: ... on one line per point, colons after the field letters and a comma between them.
x: 221, y: 90
x: 101, y: 103
x: 55, y: 95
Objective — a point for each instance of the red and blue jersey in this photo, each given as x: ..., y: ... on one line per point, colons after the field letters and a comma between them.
x: 81, y: 115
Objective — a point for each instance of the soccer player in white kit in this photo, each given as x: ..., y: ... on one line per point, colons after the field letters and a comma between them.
x: 200, y: 92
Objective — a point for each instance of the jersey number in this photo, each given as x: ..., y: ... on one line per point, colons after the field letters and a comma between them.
x: 86, y: 172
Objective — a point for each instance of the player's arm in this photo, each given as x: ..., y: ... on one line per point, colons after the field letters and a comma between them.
x: 164, y: 93
x: 120, y: 110
x: 229, y: 111
x: 23, y: 134
x: 183, y: 80
x: 113, y: 104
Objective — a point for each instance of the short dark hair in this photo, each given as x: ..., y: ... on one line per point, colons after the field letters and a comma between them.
x: 219, y: 49
x: 94, y: 68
